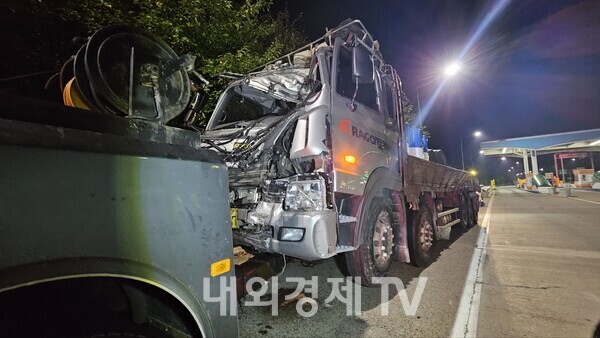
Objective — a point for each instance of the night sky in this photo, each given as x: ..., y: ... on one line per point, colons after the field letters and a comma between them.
x: 534, y: 70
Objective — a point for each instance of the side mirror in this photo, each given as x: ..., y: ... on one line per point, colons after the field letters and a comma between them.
x: 362, y: 65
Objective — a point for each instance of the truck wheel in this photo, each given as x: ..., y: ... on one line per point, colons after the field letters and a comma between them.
x: 375, y: 255
x: 68, y: 320
x: 474, y: 214
x: 463, y: 212
x: 422, y: 238
x: 121, y: 329
x: 472, y: 218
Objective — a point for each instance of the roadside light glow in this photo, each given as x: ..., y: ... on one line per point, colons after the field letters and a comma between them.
x: 477, y: 133
x: 517, y: 162
x: 452, y: 69
x: 504, y: 150
x: 481, y: 152
x: 473, y: 172
x: 512, y: 167
x: 503, y: 158
x: 350, y: 159
x: 541, y: 169
x: 508, y: 170
x: 595, y: 142
x: 572, y: 159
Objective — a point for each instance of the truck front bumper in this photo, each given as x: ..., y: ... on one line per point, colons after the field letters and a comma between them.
x: 318, y: 241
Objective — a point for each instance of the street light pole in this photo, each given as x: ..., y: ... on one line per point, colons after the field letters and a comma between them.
x: 449, y: 71
x: 462, y: 155
x: 419, y: 108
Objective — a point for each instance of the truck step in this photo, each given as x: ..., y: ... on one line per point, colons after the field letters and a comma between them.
x: 346, y: 219
x: 447, y: 212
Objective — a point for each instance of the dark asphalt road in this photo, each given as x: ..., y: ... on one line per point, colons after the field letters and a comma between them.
x: 540, y: 278
x: 542, y: 270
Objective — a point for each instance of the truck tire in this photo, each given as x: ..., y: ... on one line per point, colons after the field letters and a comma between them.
x: 474, y: 213
x: 374, y: 256
x: 472, y: 218
x: 66, y: 320
x: 117, y: 327
x: 421, y: 239
x: 463, y: 212
x: 79, y: 307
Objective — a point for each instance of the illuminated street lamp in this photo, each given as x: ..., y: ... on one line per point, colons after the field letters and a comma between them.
x: 481, y: 152
x: 503, y: 158
x: 450, y: 70
x: 477, y: 133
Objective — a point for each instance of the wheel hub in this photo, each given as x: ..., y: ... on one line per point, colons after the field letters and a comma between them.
x: 426, y: 235
x: 383, y: 240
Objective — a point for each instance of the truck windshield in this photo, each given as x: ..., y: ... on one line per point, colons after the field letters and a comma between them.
x: 243, y: 103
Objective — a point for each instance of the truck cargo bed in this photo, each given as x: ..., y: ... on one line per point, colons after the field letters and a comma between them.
x: 427, y: 176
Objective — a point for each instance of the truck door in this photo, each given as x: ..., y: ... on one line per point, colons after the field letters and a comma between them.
x: 393, y: 120
x: 358, y: 134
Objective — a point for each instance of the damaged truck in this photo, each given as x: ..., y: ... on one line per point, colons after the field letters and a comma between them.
x: 318, y: 166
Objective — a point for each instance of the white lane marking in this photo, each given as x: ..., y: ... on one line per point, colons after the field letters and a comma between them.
x: 579, y: 199
x: 465, y: 323
x: 536, y: 250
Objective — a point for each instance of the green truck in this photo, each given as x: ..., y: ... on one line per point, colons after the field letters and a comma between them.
x: 113, y: 223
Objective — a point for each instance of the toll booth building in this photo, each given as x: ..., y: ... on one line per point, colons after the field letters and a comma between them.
x: 564, y: 146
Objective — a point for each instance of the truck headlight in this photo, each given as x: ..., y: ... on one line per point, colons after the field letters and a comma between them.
x: 291, y: 234
x: 306, y: 195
